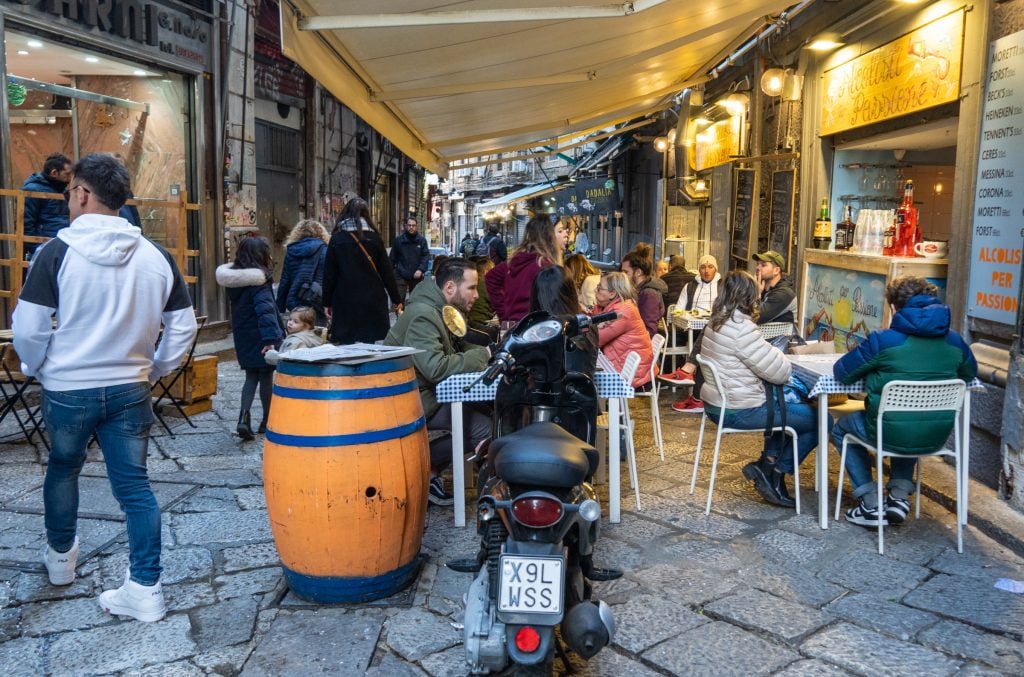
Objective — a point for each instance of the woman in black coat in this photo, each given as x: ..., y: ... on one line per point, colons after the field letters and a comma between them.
x: 304, y: 258
x: 255, y: 324
x: 358, y: 279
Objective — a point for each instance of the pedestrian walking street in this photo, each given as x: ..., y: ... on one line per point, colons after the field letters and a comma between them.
x: 751, y: 589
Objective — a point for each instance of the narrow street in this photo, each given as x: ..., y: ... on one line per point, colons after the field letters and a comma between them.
x: 752, y: 589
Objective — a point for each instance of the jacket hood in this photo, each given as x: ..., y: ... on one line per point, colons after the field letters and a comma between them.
x: 655, y: 283
x: 427, y: 293
x: 42, y: 183
x: 923, y: 315
x: 103, y: 240
x: 521, y: 261
x: 239, y: 277
x: 306, y: 247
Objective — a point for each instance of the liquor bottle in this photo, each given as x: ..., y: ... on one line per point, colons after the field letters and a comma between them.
x: 906, y: 223
x: 845, y: 230
x: 823, y: 227
x: 889, y: 236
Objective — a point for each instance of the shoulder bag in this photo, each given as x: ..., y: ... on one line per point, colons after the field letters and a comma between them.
x: 311, y: 292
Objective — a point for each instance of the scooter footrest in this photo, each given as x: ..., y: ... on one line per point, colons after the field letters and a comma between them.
x: 599, y: 574
x: 468, y: 565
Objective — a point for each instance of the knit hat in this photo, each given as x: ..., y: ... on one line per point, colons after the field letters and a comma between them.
x: 708, y: 260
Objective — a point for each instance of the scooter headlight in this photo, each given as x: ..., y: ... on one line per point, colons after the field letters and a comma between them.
x: 590, y: 510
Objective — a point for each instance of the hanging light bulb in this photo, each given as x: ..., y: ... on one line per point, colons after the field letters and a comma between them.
x: 772, y: 81
x: 661, y: 144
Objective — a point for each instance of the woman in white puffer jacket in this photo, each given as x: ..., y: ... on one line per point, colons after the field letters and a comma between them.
x: 745, y: 360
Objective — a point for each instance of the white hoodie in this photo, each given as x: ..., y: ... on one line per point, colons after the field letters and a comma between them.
x: 704, y: 294
x: 110, y: 289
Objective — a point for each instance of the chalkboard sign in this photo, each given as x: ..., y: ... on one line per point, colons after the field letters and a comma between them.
x: 721, y: 204
x: 743, y: 213
x: 780, y: 232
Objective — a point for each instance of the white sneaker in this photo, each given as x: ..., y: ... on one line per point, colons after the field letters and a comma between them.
x: 61, y: 565
x: 142, y: 602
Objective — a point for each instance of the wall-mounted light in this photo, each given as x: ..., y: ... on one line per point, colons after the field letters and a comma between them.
x: 937, y: 188
x: 772, y: 81
x: 826, y: 42
x: 700, y: 185
x: 662, y: 144
x: 735, y: 103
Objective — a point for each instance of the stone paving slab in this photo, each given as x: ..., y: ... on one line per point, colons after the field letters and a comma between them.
x: 967, y: 642
x: 179, y: 564
x: 225, y: 623
x: 344, y: 644
x: 96, y: 500
x: 756, y: 610
x: 718, y: 649
x: 414, y: 634
x: 871, y: 572
x: 249, y: 526
x: 971, y: 600
x: 796, y: 587
x: 46, y: 618
x: 881, y: 615
x: 812, y: 668
x: 646, y: 620
x: 868, y: 653
x: 128, y: 644
x: 22, y: 537
x: 689, y: 586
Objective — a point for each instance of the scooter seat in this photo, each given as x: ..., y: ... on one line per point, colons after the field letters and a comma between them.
x: 543, y: 454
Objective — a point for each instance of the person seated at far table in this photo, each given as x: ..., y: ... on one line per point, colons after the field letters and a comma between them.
x: 626, y: 333
x: 778, y: 296
x: 745, y: 361
x: 638, y: 265
x: 917, y: 346
x: 443, y: 354
x: 676, y: 278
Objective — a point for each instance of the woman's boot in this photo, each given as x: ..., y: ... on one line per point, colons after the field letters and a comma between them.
x: 769, y: 481
x: 244, y: 428
x: 263, y: 427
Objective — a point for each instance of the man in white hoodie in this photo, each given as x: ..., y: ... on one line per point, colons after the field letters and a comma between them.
x: 109, y: 289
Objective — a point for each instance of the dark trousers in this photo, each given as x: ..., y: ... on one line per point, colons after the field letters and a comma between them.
x: 476, y: 427
x: 405, y: 287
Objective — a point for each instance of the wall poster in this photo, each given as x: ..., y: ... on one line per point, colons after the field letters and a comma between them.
x: 842, y: 306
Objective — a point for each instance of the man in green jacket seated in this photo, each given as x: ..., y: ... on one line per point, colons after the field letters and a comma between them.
x: 443, y: 354
x: 917, y: 346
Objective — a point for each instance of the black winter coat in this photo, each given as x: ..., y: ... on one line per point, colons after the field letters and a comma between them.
x: 44, y: 216
x: 254, y: 319
x: 356, y: 294
x: 409, y: 254
x: 300, y: 262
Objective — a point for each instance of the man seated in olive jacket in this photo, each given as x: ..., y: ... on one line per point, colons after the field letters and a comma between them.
x: 443, y: 354
x: 917, y: 346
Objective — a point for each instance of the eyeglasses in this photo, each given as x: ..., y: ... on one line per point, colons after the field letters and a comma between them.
x: 68, y: 191
x: 604, y: 289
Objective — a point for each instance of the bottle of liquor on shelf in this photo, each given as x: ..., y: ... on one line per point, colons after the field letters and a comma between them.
x: 823, y: 227
x: 906, y: 223
x: 889, y: 236
x: 845, y: 230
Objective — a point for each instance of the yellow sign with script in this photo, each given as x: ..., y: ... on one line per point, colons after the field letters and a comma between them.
x: 717, y: 143
x: 916, y: 71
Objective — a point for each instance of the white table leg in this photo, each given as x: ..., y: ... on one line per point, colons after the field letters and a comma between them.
x: 614, y: 460
x: 458, y: 465
x: 822, y: 465
x: 965, y: 462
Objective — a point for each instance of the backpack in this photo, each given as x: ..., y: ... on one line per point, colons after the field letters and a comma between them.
x: 469, y: 248
x: 483, y: 248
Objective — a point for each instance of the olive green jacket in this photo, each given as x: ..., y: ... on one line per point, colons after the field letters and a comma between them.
x: 442, y: 354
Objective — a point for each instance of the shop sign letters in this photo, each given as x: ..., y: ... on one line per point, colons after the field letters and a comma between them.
x: 997, y: 235
x: 718, y: 143
x: 916, y: 71
x: 149, y: 24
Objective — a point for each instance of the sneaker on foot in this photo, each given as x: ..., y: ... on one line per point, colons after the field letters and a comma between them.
x: 677, y: 378
x: 864, y: 516
x: 896, y: 509
x: 691, y: 405
x: 142, y: 602
x: 61, y: 565
x: 437, y: 494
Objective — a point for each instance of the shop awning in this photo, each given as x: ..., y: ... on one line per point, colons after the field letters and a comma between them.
x: 499, y: 75
x: 522, y: 194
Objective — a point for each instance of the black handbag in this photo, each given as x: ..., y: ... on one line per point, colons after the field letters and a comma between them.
x: 311, y: 292
x: 774, y: 443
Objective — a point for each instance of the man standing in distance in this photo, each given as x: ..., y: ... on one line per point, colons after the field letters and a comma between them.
x: 110, y: 290
x: 45, y: 216
x: 409, y: 256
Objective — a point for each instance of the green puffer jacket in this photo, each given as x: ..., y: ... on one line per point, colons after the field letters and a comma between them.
x: 918, y: 346
x: 421, y: 327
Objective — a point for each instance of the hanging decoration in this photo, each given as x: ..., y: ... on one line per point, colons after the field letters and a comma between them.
x: 16, y: 94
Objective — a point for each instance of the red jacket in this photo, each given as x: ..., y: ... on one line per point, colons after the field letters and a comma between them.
x: 494, y: 280
x: 624, y: 334
x: 522, y: 271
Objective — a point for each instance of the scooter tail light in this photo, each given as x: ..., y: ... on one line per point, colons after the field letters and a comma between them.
x: 527, y: 639
x: 537, y: 511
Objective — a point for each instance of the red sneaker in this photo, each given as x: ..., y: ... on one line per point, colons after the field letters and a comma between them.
x: 677, y: 378
x: 691, y: 405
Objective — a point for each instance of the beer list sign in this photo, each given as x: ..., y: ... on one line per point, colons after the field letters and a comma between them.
x: 997, y: 234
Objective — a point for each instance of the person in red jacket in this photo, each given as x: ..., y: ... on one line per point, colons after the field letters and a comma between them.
x: 542, y: 246
x: 625, y: 333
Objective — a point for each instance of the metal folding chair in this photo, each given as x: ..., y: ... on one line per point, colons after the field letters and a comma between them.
x: 163, y: 387
x: 12, y: 389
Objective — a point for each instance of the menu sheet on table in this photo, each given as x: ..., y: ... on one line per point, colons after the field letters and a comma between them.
x: 354, y: 353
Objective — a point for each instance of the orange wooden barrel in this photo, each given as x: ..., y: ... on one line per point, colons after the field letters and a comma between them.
x: 345, y: 471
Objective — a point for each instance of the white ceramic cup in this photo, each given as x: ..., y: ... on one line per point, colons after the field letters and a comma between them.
x: 932, y: 249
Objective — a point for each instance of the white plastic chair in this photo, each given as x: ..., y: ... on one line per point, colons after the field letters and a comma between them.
x: 710, y: 371
x: 628, y: 372
x: 930, y: 396
x: 657, y: 343
x: 770, y: 330
x: 673, y: 348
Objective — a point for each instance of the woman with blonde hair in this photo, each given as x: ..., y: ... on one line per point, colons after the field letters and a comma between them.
x: 627, y: 332
x: 586, y: 278
x: 305, y: 253
x: 542, y: 246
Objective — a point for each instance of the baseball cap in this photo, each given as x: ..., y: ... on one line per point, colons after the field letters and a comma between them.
x: 772, y: 256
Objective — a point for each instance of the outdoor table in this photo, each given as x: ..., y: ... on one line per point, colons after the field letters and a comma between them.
x: 609, y: 384
x: 690, y: 324
x: 819, y: 369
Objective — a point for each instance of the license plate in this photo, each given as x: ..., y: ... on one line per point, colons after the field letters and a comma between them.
x: 530, y: 584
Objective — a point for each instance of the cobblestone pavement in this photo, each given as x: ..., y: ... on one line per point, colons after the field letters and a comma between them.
x: 752, y: 589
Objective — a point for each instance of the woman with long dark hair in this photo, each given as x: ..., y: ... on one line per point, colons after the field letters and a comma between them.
x: 555, y: 292
x: 358, y: 279
x: 745, y: 361
x: 541, y: 247
x: 255, y: 324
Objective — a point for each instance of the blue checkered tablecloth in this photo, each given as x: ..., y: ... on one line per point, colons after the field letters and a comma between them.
x: 818, y: 368
x: 609, y: 384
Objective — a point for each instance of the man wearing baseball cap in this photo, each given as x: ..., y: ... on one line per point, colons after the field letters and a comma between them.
x: 778, y: 296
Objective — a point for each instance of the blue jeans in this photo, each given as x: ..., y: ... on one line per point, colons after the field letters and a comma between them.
x: 121, y: 417
x: 801, y: 417
x: 859, y: 463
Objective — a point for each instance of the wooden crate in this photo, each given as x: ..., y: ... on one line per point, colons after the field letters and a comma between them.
x: 198, y: 382
x: 197, y: 407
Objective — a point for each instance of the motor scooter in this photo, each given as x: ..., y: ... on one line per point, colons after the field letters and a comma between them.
x: 538, y: 516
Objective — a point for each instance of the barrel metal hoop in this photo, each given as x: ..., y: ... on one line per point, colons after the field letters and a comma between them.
x: 335, y: 589
x: 350, y: 439
x: 353, y: 394
x: 292, y: 368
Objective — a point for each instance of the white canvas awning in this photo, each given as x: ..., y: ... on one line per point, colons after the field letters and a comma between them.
x: 522, y: 194
x: 446, y: 81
